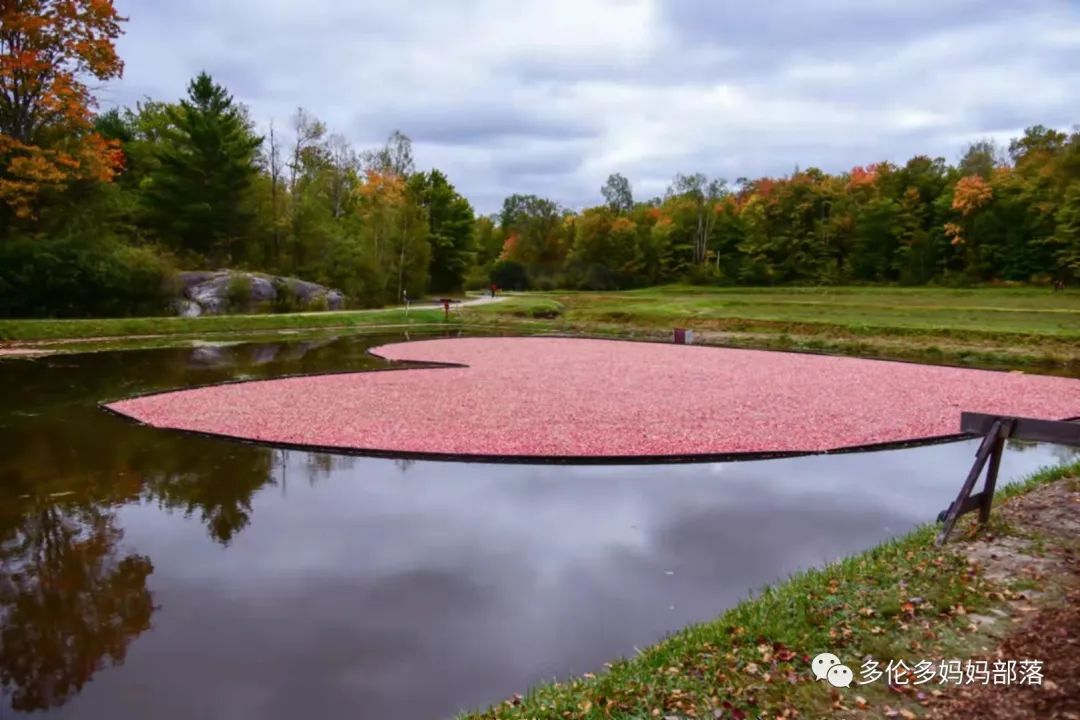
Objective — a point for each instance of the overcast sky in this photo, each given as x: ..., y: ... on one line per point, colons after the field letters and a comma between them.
x: 550, y: 96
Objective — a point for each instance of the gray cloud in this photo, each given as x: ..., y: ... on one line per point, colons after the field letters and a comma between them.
x: 483, y: 123
x: 550, y: 96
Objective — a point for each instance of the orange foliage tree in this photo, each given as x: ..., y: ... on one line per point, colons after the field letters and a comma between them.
x: 511, y: 247
x: 970, y: 194
x: 49, y: 49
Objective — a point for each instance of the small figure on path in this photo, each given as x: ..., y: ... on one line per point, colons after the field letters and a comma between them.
x: 494, y: 287
x: 1059, y: 286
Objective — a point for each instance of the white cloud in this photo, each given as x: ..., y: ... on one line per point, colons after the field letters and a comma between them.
x: 550, y: 96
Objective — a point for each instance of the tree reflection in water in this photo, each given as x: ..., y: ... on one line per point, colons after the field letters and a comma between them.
x: 70, y: 602
x: 71, y: 597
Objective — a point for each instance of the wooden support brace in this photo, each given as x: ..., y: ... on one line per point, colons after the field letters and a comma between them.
x: 995, y: 431
x: 990, y: 450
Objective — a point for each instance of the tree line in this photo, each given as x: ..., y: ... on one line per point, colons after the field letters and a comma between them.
x: 99, y: 209
x: 998, y: 214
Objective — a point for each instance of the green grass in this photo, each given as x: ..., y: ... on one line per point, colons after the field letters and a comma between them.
x: 43, y: 330
x: 1004, y: 328
x: 754, y: 658
x: 980, y: 312
x: 522, y: 306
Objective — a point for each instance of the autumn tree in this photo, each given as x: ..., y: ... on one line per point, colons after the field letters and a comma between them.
x: 49, y: 50
x: 531, y: 226
x: 393, y: 227
x: 605, y: 253
x: 970, y: 194
x: 394, y: 219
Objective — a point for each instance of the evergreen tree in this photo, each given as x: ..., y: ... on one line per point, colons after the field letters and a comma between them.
x: 196, y: 199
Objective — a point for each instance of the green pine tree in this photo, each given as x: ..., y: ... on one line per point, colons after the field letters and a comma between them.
x: 196, y: 199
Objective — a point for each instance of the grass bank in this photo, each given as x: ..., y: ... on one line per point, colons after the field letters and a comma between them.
x: 43, y: 330
x: 1005, y: 328
x: 904, y: 600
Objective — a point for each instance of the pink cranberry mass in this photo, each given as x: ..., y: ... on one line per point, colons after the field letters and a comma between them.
x: 563, y: 397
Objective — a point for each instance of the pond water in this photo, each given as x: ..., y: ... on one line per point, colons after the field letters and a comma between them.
x: 145, y: 573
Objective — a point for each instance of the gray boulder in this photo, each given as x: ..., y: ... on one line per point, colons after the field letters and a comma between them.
x: 209, y: 293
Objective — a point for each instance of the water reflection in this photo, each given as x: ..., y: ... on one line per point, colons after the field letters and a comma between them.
x: 286, y: 584
x: 70, y: 601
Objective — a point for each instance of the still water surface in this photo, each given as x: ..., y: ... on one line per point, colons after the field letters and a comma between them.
x: 145, y: 573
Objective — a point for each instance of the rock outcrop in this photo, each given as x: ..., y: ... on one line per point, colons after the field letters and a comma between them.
x: 229, y: 291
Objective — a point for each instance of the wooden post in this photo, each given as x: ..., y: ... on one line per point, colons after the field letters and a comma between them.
x: 991, y: 480
x: 995, y: 431
x: 990, y: 450
x: 964, y: 500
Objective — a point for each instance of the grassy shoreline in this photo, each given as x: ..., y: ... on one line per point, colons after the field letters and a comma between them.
x: 904, y: 599
x: 1012, y: 328
x: 39, y: 331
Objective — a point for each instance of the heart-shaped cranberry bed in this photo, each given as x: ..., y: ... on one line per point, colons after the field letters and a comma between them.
x: 575, y: 398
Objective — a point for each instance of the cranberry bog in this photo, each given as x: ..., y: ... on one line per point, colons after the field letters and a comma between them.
x: 572, y: 399
x: 140, y: 562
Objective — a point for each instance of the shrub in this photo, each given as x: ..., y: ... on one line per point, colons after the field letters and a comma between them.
x: 479, y: 278
x: 285, y: 297
x: 545, y: 283
x: 354, y: 271
x: 510, y: 275
x: 598, y: 277
x: 548, y: 309
x: 318, y: 303
x: 75, y: 277
x: 238, y: 293
x: 704, y: 275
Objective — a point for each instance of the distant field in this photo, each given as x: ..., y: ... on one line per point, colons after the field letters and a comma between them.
x: 992, y: 327
x: 987, y: 312
x: 982, y: 311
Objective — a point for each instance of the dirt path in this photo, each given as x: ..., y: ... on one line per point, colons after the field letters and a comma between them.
x: 1041, y: 551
